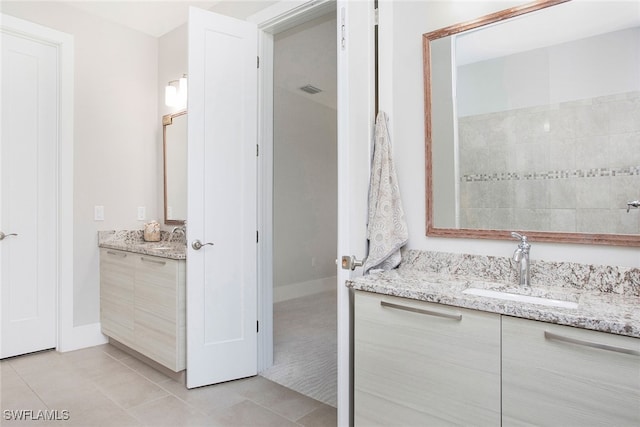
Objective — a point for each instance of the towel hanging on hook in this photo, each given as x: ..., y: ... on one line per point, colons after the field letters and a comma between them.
x: 386, y: 226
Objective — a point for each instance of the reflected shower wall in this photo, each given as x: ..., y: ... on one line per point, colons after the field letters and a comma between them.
x: 574, y: 172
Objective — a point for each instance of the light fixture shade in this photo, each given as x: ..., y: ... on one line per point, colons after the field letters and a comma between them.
x: 182, y: 92
x: 175, y: 93
x: 170, y: 96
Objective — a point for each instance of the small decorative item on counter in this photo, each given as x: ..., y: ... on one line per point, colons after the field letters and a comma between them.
x: 152, y: 231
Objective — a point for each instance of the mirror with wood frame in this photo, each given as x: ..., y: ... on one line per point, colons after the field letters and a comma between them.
x: 174, y: 130
x: 531, y: 124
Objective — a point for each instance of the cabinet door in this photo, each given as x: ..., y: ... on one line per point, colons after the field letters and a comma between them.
x: 425, y: 364
x: 558, y: 375
x: 160, y: 310
x: 116, y: 294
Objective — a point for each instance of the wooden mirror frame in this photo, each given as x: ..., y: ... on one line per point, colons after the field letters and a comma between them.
x: 538, y: 236
x: 166, y: 121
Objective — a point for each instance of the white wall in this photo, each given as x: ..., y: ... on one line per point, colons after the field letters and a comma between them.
x: 305, y: 155
x: 402, y: 97
x: 115, y: 134
x: 305, y: 185
x: 588, y: 68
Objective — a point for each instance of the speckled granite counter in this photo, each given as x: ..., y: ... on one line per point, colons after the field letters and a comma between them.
x: 607, y: 296
x: 133, y: 241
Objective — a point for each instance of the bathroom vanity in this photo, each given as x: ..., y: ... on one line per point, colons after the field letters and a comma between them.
x: 427, y: 352
x: 142, y: 297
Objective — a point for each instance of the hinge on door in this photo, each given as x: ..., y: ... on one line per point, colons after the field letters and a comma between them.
x: 343, y: 30
x: 257, y: 150
x: 258, y: 62
x: 376, y: 16
x: 257, y: 326
x: 257, y: 237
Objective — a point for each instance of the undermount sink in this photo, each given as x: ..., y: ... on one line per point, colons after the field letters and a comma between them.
x: 510, y: 296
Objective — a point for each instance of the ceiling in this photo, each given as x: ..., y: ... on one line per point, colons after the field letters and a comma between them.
x: 154, y: 18
x: 306, y: 53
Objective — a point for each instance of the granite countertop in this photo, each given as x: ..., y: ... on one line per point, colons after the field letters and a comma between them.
x: 599, y: 311
x: 133, y: 241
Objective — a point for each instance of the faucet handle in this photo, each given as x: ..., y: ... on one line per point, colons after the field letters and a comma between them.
x: 524, y: 243
x: 518, y: 236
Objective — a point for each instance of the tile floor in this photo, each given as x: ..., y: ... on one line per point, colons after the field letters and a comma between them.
x: 305, y: 353
x: 104, y: 386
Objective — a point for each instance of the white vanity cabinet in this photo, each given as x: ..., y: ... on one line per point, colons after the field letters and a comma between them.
x: 418, y: 363
x: 556, y: 375
x: 142, y: 305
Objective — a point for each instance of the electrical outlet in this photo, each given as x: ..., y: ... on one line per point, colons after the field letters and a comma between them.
x: 98, y: 213
x: 142, y: 213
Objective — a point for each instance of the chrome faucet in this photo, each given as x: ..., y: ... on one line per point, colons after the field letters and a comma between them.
x: 521, y: 256
x: 178, y: 230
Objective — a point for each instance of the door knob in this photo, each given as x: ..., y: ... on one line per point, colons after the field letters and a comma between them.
x: 350, y: 262
x: 2, y: 235
x: 197, y: 244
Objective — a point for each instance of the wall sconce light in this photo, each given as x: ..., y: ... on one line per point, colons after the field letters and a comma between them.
x: 175, y: 93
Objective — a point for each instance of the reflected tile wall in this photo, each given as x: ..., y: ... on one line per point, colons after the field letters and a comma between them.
x: 569, y: 167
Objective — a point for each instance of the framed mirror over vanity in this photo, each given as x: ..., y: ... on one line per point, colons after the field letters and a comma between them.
x: 174, y: 148
x: 532, y: 123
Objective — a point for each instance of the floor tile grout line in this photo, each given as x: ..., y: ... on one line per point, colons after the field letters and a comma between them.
x: 96, y: 384
x: 26, y: 383
x: 160, y: 385
x: 170, y: 394
x: 85, y: 378
x: 272, y: 411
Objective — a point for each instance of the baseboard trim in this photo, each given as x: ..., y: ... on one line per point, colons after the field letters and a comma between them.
x: 303, y: 289
x: 82, y: 337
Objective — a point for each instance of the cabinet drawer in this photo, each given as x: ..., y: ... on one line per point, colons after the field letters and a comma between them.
x: 559, y: 375
x: 425, y: 364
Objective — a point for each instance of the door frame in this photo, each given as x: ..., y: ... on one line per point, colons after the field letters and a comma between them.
x: 277, y: 18
x: 351, y: 123
x: 68, y: 337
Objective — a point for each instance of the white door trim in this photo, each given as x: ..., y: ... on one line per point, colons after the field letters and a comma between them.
x: 351, y: 121
x: 276, y: 18
x: 69, y: 337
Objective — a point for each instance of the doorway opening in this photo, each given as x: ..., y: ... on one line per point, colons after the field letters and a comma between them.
x: 305, y: 209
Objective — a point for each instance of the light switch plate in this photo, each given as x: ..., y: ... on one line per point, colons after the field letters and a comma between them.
x: 142, y: 213
x: 98, y: 213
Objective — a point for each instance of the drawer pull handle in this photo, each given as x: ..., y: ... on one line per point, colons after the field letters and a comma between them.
x: 421, y: 311
x: 153, y: 261
x: 584, y: 343
x: 120, y: 254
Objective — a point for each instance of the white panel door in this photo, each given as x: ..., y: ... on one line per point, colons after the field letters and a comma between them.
x: 28, y: 159
x: 222, y: 129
